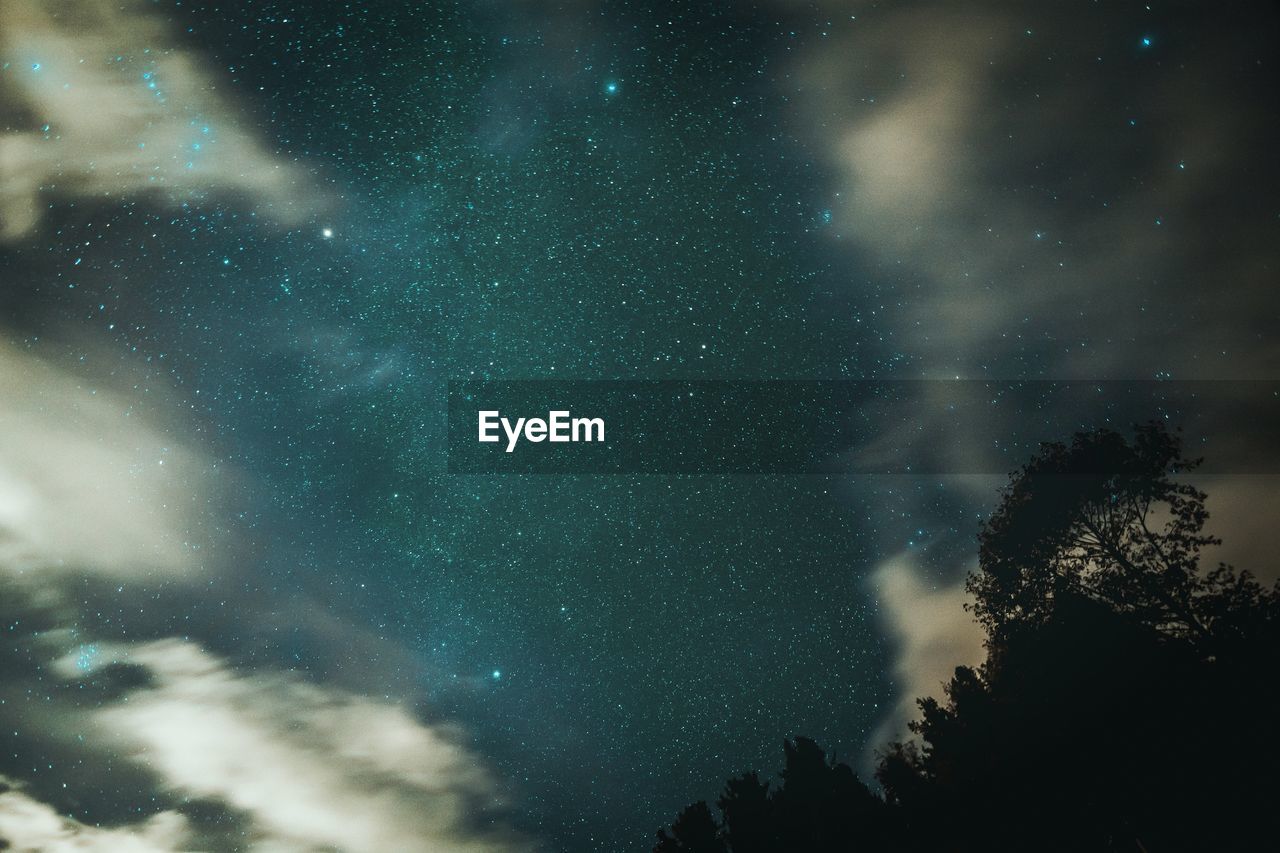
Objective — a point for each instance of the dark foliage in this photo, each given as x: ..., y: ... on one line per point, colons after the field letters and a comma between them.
x: 819, y: 805
x: 1128, y: 701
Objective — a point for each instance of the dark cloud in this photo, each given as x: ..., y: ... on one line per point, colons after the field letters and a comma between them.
x: 1065, y: 190
x: 1052, y: 195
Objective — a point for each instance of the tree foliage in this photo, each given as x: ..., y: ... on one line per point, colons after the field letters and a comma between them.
x: 819, y: 805
x: 1127, y: 701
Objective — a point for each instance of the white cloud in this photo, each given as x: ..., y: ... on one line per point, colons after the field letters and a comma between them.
x: 109, y: 105
x: 312, y: 766
x: 95, y: 485
x: 30, y: 826
x: 933, y: 632
x: 88, y: 482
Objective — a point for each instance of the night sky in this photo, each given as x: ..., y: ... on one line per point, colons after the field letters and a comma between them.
x: 243, y: 247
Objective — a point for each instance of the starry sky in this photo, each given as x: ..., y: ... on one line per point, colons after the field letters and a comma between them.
x: 244, y: 246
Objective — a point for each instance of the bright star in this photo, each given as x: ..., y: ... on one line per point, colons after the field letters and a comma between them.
x: 327, y: 233
x: 497, y: 673
x: 611, y: 87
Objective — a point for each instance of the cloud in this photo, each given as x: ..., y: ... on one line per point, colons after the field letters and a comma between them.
x: 90, y: 482
x: 29, y: 825
x: 100, y: 100
x: 933, y: 632
x: 1239, y: 515
x: 311, y: 766
x: 113, y: 586
x: 1037, y: 186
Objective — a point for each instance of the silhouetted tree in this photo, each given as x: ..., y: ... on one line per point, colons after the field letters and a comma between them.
x: 819, y: 806
x: 1077, y: 736
x: 1115, y: 668
x: 695, y: 831
x: 1104, y: 517
x: 749, y: 822
x: 1127, y: 701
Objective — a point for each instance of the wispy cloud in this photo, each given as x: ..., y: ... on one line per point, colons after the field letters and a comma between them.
x: 30, y: 825
x: 1034, y: 185
x: 933, y: 632
x: 107, y: 519
x: 90, y: 483
x: 100, y: 100
x: 311, y: 766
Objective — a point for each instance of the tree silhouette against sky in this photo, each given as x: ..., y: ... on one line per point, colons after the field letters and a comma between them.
x: 1127, y: 702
